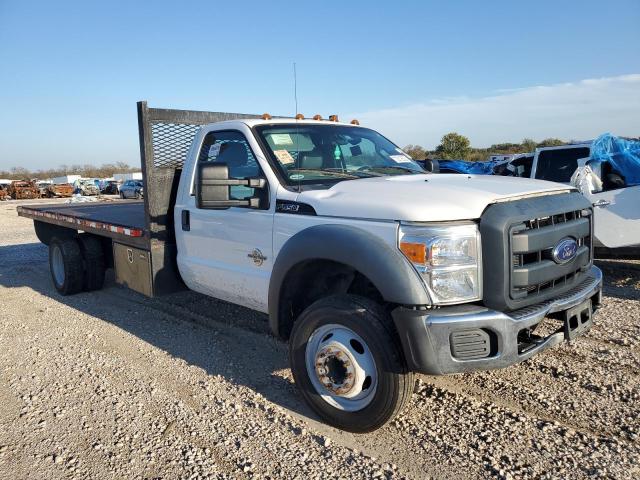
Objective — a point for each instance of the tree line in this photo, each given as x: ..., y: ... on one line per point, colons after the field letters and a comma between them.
x: 454, y: 146
x: 89, y: 171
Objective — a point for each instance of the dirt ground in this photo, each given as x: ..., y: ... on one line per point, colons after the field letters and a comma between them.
x: 112, y: 385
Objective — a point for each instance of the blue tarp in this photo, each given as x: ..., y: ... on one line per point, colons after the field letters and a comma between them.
x: 623, y: 156
x: 462, y: 166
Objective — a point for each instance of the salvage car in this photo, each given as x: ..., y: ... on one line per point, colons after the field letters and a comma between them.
x: 132, y: 189
x: 371, y: 268
x: 110, y: 187
x: 86, y: 187
x: 23, y: 189
x: 59, y: 190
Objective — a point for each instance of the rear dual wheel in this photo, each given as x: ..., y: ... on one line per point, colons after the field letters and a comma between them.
x: 348, y: 364
x: 76, y: 264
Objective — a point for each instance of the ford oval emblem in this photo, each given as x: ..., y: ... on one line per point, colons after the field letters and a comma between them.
x: 565, y: 250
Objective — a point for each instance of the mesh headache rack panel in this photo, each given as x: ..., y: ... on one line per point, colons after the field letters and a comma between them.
x: 171, y: 142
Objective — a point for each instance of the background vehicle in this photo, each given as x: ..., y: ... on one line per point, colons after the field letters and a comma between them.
x: 42, y: 187
x: 4, y: 193
x: 371, y: 268
x: 23, y: 189
x: 617, y: 216
x: 59, y: 190
x: 132, y: 189
x: 86, y: 186
x: 110, y: 187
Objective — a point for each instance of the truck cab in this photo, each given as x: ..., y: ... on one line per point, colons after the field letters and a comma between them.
x: 370, y: 267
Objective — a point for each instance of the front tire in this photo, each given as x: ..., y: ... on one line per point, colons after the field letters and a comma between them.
x: 348, y: 364
x: 66, y: 266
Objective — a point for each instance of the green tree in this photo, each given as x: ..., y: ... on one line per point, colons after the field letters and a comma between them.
x: 453, y: 146
x: 551, y: 142
x: 415, y: 151
x: 528, y: 144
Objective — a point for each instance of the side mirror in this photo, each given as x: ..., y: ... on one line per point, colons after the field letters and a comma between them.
x: 432, y: 166
x: 213, y: 184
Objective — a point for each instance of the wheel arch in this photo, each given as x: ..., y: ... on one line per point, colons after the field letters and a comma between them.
x: 339, y: 251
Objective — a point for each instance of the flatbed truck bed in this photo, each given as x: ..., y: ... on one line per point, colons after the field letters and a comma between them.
x: 123, y: 221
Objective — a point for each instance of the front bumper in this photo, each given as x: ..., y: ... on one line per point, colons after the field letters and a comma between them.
x: 434, y: 340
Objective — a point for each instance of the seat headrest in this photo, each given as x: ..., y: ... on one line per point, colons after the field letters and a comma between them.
x: 312, y: 159
x: 233, y: 154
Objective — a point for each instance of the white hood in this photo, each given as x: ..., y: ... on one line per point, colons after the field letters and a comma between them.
x: 423, y: 198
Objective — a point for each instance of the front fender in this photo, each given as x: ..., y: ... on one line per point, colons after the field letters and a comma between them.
x: 386, y: 267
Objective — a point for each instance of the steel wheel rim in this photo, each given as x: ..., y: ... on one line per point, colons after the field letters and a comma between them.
x: 341, y: 367
x: 57, y: 265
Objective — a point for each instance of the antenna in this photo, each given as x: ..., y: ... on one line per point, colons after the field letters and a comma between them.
x: 295, y: 86
x: 297, y: 142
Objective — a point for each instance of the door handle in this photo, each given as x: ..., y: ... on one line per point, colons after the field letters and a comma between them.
x: 602, y: 203
x: 186, y: 220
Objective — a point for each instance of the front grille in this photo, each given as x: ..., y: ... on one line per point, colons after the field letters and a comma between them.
x: 532, y: 243
x: 518, y: 238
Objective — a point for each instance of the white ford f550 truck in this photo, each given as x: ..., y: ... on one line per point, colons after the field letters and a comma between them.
x: 370, y: 267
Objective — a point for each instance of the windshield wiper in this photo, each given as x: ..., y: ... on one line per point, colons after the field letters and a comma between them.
x: 390, y: 167
x: 337, y: 173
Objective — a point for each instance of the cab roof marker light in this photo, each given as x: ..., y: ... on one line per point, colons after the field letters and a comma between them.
x: 355, y: 122
x: 333, y: 118
x: 266, y: 116
x: 299, y: 116
x: 317, y: 117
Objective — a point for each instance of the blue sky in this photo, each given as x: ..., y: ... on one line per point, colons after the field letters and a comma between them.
x: 71, y: 72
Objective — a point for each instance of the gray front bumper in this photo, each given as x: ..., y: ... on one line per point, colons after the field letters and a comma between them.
x: 426, y: 335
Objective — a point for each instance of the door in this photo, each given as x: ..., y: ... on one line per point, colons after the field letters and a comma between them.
x: 616, y: 217
x: 227, y: 254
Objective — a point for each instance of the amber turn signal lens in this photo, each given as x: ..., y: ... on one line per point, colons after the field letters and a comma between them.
x: 415, y: 252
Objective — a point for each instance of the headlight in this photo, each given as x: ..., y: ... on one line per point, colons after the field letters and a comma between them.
x: 448, y: 258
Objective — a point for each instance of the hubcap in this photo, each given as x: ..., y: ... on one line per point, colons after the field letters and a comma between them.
x: 57, y: 265
x: 341, y: 367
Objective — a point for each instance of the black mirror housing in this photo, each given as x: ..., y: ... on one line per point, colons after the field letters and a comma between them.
x: 432, y: 166
x: 212, y: 187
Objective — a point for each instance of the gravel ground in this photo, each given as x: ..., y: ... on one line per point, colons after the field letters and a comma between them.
x: 112, y: 385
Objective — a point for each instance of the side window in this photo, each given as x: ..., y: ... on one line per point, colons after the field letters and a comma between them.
x: 232, y: 148
x: 558, y: 165
x: 523, y: 166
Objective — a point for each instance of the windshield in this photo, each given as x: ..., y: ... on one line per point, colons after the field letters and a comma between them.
x: 315, y: 153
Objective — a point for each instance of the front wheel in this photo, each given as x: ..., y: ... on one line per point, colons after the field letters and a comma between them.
x: 347, y: 363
